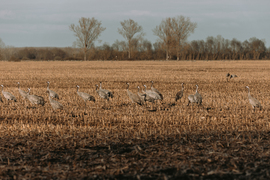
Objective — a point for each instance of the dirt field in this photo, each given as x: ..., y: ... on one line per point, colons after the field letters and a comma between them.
x: 222, y: 139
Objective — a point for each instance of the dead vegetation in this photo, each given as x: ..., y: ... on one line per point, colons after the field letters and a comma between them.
x: 223, y: 138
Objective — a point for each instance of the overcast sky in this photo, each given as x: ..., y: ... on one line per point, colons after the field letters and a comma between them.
x: 39, y: 23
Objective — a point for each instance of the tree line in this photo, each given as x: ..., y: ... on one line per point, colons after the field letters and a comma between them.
x: 171, y: 45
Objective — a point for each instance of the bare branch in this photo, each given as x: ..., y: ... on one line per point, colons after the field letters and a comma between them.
x: 86, y: 32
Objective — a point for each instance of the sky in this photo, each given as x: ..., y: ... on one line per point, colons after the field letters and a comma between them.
x: 39, y: 23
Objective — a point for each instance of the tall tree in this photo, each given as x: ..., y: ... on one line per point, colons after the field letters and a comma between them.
x: 181, y: 27
x: 128, y: 30
x: 86, y: 32
x: 164, y: 32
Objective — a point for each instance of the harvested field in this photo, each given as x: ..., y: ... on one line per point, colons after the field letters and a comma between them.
x: 222, y: 139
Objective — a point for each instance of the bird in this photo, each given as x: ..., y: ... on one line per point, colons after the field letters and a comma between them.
x: 254, y: 102
x: 102, y: 93
x: 191, y: 99
x: 179, y: 94
x: 197, y: 96
x: 8, y: 95
x: 141, y: 95
x: 110, y: 94
x: 34, y: 99
x: 22, y: 93
x: 85, y: 96
x: 151, y: 96
x: 134, y: 97
x: 233, y: 76
x: 227, y: 76
x: 51, y: 92
x: 155, y: 90
x: 55, y: 104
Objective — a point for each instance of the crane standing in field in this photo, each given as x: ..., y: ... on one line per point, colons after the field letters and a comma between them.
x: 85, y: 96
x: 51, y: 92
x: 151, y: 96
x: 180, y: 93
x: 22, y: 93
x: 8, y: 95
x: 102, y: 93
x: 155, y: 90
x: 109, y: 93
x: 134, y: 97
x: 197, y: 96
x: 254, y: 102
x: 227, y: 76
x: 141, y: 95
x: 34, y: 99
x: 233, y: 76
x: 55, y: 104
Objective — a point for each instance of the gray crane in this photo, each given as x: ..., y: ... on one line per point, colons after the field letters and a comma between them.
x: 51, y: 92
x: 180, y: 93
x: 233, y: 76
x: 85, y: 96
x: 254, y: 102
x: 22, y: 93
x: 134, y: 97
x: 141, y: 95
x: 102, y: 93
x: 227, y: 76
x: 8, y: 95
x: 155, y: 90
x: 197, y: 96
x: 55, y: 104
x: 191, y: 99
x: 34, y: 99
x: 151, y: 96
x: 110, y: 94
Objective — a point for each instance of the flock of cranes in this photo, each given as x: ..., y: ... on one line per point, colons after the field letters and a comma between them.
x: 151, y: 95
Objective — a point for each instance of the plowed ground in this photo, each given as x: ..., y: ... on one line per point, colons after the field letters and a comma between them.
x: 222, y: 139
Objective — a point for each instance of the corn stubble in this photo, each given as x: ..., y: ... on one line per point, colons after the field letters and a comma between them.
x: 117, y: 139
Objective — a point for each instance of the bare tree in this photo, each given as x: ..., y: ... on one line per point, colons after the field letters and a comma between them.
x: 181, y: 28
x: 86, y: 32
x: 128, y: 30
x: 164, y: 32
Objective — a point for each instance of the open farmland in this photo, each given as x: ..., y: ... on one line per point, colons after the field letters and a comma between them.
x: 223, y: 138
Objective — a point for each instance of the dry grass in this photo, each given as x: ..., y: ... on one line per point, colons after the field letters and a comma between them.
x: 222, y: 138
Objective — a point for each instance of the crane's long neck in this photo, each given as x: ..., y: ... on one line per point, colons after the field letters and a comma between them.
x: 2, y: 88
x: 152, y: 84
x: 127, y: 87
x: 249, y: 92
x: 18, y: 86
x: 138, y: 89
x: 100, y: 87
x: 77, y: 89
x: 48, y: 86
x: 197, y: 89
x: 182, y: 87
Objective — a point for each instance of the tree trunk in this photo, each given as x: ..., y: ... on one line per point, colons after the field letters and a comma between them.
x: 85, y: 50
